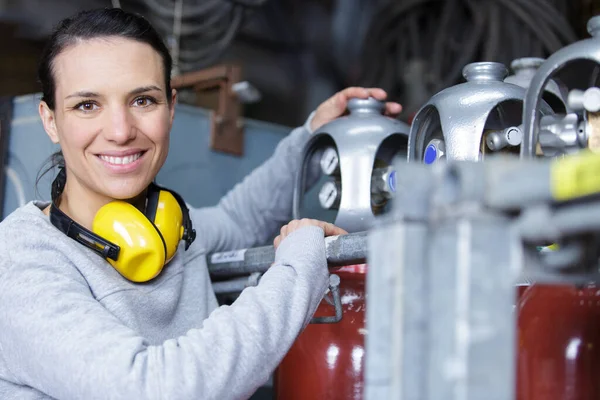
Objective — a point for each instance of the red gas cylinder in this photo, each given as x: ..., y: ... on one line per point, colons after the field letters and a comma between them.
x: 558, y: 342
x: 326, y: 362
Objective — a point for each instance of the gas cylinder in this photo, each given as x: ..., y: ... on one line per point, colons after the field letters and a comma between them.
x: 353, y: 155
x: 558, y: 325
x: 470, y: 120
x: 555, y: 92
x: 326, y: 361
x: 558, y: 345
x: 350, y: 160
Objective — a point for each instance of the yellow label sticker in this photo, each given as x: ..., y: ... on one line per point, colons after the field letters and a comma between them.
x: 575, y: 176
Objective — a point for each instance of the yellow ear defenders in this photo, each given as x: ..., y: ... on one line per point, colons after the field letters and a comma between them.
x: 138, y: 245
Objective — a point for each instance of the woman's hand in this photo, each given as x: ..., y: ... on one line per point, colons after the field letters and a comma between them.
x: 336, y: 105
x: 329, y: 229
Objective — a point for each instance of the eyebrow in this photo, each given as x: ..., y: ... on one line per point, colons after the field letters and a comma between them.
x: 139, y: 90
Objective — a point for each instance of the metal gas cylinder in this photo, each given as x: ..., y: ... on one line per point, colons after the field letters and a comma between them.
x: 353, y: 155
x: 555, y: 92
x: 326, y: 361
x: 471, y: 119
x: 568, y: 133
x: 351, y: 159
x: 558, y: 345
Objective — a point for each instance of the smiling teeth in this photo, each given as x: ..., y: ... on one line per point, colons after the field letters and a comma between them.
x: 121, y: 160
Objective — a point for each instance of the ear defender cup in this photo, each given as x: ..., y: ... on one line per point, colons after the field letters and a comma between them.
x: 168, y: 219
x: 137, y: 244
x: 142, y: 253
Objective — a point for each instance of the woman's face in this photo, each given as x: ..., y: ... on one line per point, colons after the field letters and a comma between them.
x: 111, y: 117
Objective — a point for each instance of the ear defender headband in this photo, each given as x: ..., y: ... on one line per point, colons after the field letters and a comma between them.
x: 138, y: 245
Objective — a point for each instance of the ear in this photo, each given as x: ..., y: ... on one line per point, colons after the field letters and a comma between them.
x: 173, y: 101
x: 49, y: 121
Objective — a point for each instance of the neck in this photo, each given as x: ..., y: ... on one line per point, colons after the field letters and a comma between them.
x: 81, y: 204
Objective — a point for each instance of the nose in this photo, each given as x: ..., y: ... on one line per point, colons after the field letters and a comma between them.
x: 121, y: 127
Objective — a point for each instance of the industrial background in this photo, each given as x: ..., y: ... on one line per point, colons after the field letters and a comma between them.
x: 281, y: 59
x: 299, y: 52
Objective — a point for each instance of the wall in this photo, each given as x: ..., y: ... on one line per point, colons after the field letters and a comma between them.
x: 28, y: 148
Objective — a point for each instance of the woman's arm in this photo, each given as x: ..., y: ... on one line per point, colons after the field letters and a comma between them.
x: 57, y: 338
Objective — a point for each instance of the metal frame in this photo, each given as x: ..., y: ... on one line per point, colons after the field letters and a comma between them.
x: 445, y: 264
x: 444, y: 269
x: 339, y: 251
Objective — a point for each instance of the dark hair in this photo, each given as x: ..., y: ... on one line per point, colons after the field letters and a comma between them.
x: 95, y: 24
x: 89, y: 25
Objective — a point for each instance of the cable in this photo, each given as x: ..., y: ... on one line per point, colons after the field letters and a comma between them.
x: 208, y: 55
x: 249, y: 3
x: 204, y: 27
x: 167, y: 11
x: 176, y: 35
x: 199, y: 34
x: 445, y: 35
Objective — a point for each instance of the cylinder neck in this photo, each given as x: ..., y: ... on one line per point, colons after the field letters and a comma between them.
x: 526, y: 65
x: 485, y: 72
x: 593, y: 26
x: 366, y: 106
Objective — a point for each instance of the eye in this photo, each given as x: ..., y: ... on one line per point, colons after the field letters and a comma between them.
x: 144, y: 101
x: 86, y: 106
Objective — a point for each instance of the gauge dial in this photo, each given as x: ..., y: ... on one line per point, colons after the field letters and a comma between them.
x: 330, y: 161
x: 329, y: 196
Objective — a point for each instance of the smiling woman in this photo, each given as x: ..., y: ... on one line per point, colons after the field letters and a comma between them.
x: 113, y: 124
x: 105, y: 292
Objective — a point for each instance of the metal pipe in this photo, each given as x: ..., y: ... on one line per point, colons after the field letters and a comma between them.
x: 334, y: 287
x: 546, y: 224
x: 340, y: 250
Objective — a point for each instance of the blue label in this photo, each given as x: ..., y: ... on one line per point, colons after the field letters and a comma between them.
x: 392, y: 181
x: 430, y: 154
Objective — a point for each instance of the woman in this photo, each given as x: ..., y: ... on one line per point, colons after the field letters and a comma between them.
x: 72, y: 326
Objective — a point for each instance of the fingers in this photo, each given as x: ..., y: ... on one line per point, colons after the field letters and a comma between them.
x: 392, y: 109
x: 332, y: 230
x: 361, y: 93
x: 336, y: 105
x: 328, y: 229
x: 283, y: 232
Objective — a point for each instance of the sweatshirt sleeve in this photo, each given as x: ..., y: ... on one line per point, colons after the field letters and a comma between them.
x: 254, y: 209
x: 57, y: 338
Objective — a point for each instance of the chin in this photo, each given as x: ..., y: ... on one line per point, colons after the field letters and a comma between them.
x: 127, y: 192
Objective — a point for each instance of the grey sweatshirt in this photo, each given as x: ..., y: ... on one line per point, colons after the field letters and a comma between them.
x: 72, y: 328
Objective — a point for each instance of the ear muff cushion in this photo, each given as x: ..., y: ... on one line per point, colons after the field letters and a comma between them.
x: 142, y: 254
x: 168, y: 220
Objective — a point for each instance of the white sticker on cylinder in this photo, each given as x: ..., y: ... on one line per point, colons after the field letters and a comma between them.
x: 227, y: 256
